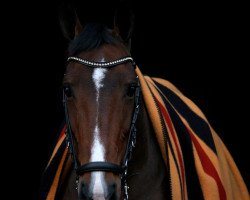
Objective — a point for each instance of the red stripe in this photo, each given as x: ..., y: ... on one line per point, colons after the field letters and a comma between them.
x: 62, y: 132
x: 171, y: 129
x: 208, y: 165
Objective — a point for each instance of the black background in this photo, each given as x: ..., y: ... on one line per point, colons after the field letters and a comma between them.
x: 201, y: 47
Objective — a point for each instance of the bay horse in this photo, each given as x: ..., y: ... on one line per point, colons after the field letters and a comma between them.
x: 130, y: 136
x: 101, y: 99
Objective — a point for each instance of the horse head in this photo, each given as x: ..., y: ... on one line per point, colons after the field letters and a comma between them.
x: 101, y: 99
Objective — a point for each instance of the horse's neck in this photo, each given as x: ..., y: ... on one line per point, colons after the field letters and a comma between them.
x: 148, y: 174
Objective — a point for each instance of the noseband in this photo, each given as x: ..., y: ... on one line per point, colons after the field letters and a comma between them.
x: 105, y: 166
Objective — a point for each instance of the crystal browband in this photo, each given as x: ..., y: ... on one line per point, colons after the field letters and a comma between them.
x: 102, y: 64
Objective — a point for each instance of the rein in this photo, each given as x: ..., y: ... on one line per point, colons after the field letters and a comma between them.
x: 105, y: 166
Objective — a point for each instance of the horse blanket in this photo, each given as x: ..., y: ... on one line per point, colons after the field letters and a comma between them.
x: 198, y: 162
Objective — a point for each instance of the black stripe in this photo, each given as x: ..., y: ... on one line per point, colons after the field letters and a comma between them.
x: 199, y: 125
x: 49, y: 173
x: 192, y: 180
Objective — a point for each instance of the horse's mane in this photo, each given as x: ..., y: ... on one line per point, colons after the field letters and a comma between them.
x: 93, y: 36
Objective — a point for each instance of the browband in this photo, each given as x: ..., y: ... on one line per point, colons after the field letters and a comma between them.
x: 102, y: 64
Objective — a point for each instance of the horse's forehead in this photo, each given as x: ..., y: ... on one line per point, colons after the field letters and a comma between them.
x: 105, y: 53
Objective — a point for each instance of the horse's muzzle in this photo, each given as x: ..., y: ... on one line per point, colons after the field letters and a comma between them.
x: 86, y: 192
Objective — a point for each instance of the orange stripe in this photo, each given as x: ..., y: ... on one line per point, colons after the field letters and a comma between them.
x: 153, y: 113
x: 54, y: 186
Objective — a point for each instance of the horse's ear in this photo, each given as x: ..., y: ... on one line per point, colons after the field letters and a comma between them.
x: 124, y: 22
x: 69, y: 21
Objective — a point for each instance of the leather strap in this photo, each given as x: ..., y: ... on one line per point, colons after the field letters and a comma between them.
x: 99, y: 166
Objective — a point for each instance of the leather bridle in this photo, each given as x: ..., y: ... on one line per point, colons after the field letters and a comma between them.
x: 105, y: 166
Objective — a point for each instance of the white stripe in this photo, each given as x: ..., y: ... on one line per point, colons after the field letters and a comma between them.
x: 98, y: 76
x: 97, y: 150
x: 97, y: 183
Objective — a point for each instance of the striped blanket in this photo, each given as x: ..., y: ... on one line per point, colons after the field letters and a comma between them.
x: 200, y: 165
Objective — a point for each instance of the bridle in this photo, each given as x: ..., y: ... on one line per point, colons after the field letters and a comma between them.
x: 105, y: 166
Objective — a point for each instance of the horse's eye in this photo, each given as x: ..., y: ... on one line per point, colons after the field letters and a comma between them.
x: 67, y: 90
x: 131, y: 90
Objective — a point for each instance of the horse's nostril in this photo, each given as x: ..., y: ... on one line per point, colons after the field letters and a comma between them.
x: 84, y: 191
x: 112, y: 192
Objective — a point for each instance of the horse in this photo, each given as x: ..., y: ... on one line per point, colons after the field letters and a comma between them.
x: 112, y: 134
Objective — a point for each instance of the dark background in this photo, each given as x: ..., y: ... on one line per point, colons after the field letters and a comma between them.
x: 200, y: 47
